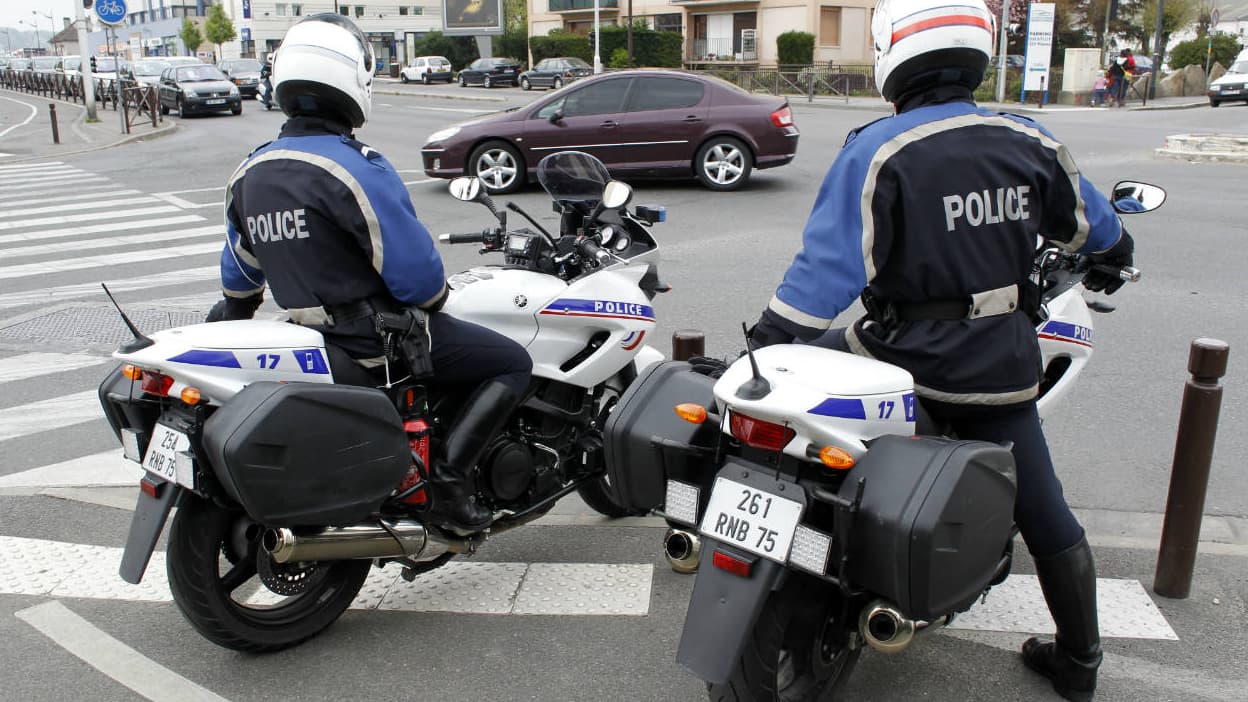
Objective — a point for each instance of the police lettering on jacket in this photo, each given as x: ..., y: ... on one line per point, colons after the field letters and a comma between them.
x: 275, y: 226
x: 987, y: 206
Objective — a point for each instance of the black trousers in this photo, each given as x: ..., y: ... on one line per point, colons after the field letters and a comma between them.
x: 465, y: 355
x: 1040, y: 510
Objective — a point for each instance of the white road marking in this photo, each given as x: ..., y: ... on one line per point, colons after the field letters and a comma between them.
x: 61, y: 196
x: 10, y: 254
x: 69, y: 181
x: 33, y: 113
x: 104, y: 469
x: 27, y: 177
x: 185, y: 204
x: 79, y: 290
x: 32, y: 166
x: 87, y: 217
x: 465, y: 110
x: 101, y: 228
x: 33, y: 365
x: 418, y: 182
x: 94, y: 205
x: 77, y: 264
x: 113, y: 658
x: 50, y: 414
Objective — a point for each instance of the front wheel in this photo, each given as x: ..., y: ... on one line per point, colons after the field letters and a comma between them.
x: 237, y: 597
x: 424, y: 78
x: 797, y: 651
x: 1213, y: 103
x: 557, y: 83
x: 403, y: 78
x: 463, y: 82
x: 499, y: 167
x: 487, y: 82
x: 525, y: 84
x: 723, y: 163
x: 600, y: 498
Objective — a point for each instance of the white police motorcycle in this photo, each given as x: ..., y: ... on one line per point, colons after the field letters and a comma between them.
x: 290, y: 487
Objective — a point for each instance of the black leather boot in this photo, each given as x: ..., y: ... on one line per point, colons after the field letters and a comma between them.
x: 454, y: 495
x: 1068, y: 580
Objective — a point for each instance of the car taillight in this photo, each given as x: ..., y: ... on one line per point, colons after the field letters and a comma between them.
x: 156, y: 384
x: 760, y: 434
x: 782, y: 117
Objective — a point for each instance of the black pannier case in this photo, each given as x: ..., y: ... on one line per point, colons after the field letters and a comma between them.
x: 304, y: 454
x: 935, y: 520
x: 646, y: 441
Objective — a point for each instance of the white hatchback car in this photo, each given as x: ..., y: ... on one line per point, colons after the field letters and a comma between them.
x: 1233, y: 85
x: 427, y: 69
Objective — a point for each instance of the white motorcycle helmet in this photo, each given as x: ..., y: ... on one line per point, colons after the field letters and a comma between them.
x: 924, y: 43
x: 325, y: 67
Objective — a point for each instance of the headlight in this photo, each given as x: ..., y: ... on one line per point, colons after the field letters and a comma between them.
x: 233, y: 90
x: 443, y: 134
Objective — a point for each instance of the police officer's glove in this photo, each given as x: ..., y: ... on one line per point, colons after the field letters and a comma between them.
x: 232, y: 308
x: 708, y: 366
x: 1103, y: 276
x: 767, y: 332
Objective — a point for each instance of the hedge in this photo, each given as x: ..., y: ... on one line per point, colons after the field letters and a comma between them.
x: 795, y: 48
x: 650, y: 48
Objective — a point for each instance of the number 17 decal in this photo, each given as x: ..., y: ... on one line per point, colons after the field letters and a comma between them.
x: 270, y: 358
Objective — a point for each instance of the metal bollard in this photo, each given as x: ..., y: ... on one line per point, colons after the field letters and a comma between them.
x: 1189, y: 474
x: 56, y: 133
x: 687, y: 343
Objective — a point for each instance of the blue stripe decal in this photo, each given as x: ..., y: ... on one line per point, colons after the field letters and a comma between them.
x: 311, y: 361
x: 840, y: 407
x: 220, y: 359
x: 569, y: 305
x: 1068, y: 331
x: 908, y: 401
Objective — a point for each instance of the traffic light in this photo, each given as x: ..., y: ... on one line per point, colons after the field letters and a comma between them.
x: 86, y: 4
x: 92, y: 59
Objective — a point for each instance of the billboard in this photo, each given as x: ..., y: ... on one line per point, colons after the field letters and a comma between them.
x: 460, y: 17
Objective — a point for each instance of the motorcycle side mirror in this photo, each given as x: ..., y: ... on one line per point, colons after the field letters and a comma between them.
x: 466, y: 188
x: 1130, y: 197
x: 616, y: 195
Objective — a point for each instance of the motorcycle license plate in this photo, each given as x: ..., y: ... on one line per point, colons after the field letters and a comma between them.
x: 162, y: 454
x: 214, y: 102
x: 751, y: 519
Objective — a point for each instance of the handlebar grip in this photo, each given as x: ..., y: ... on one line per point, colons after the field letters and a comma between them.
x: 592, y: 249
x: 1130, y: 274
x: 461, y: 238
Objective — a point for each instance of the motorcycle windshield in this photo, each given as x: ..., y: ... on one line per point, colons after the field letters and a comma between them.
x: 573, y: 176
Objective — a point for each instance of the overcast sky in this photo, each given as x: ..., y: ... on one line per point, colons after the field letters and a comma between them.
x: 13, y: 10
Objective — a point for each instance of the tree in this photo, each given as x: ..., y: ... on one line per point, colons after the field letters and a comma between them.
x: 1194, y: 51
x: 191, y: 37
x: 218, y: 28
x: 1178, y: 14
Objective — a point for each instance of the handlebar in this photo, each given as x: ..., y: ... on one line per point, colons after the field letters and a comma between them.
x: 464, y: 237
x: 590, y: 248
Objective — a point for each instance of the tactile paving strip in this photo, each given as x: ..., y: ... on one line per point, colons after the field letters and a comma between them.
x: 1123, y: 607
x: 482, y: 588
x: 585, y: 588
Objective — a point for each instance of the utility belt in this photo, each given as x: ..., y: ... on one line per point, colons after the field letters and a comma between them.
x: 989, y: 303
x: 404, y: 330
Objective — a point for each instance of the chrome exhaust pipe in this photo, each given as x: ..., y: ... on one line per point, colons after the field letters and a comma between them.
x: 885, y: 628
x: 683, y: 550
x: 404, y: 538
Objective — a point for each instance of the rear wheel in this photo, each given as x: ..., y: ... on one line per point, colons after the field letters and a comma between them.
x: 424, y: 78
x: 557, y: 83
x: 236, y: 596
x: 498, y: 165
x: 164, y: 109
x: 487, y: 82
x: 797, y: 650
x: 403, y: 78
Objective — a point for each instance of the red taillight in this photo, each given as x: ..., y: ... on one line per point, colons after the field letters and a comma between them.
x: 149, y: 487
x: 782, y: 117
x: 156, y: 384
x: 731, y: 564
x: 760, y: 434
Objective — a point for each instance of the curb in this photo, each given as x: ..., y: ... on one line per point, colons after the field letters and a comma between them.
x: 439, y: 96
x: 1201, y: 156
x: 166, y: 128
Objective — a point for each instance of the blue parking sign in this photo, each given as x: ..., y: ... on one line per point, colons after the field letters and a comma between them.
x: 111, y: 11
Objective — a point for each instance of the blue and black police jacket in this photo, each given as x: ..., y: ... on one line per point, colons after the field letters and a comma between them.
x: 943, y: 201
x: 326, y: 221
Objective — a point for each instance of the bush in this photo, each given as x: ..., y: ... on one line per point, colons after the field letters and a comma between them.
x: 795, y: 48
x: 619, y: 58
x: 650, y: 48
x: 1186, y: 53
x: 512, y: 45
x: 460, y: 51
x: 559, y: 45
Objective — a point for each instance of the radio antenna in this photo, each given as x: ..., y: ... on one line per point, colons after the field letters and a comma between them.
x: 139, y: 341
x: 757, y: 387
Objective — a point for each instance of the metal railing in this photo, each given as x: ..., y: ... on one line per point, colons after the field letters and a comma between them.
x: 134, y: 99
x: 827, y: 80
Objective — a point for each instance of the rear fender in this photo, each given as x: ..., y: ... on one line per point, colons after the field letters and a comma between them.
x: 722, y: 611
x: 149, y: 518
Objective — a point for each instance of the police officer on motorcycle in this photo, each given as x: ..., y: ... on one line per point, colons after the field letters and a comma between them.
x: 266, y: 74
x: 931, y: 216
x: 327, y: 222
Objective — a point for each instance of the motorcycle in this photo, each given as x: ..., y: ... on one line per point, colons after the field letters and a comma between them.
x: 262, y: 94
x: 821, y: 509
x: 289, y: 487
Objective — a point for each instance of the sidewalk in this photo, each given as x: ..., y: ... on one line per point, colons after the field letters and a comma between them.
x: 876, y: 104
x: 26, y: 131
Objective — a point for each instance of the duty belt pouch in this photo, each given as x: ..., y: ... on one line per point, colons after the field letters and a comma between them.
x: 406, y: 335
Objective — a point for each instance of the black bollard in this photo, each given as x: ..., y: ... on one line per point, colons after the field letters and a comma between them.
x: 687, y: 343
x: 56, y: 133
x: 1189, y: 474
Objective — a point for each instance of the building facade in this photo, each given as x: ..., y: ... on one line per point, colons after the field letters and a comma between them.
x: 733, y: 32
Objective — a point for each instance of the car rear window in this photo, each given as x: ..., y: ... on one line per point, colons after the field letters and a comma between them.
x: 665, y: 94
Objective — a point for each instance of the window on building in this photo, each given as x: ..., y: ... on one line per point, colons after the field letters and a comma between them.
x: 296, y: 10
x: 829, y: 26
x: 359, y: 10
x: 280, y: 10
x: 403, y: 10
x: 668, y: 22
x: 344, y: 10
x: 418, y: 10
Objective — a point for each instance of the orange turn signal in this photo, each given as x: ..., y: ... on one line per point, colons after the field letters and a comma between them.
x: 132, y: 372
x: 836, y: 458
x: 691, y: 412
x: 190, y: 396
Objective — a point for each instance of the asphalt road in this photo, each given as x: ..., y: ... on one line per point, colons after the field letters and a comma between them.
x: 724, y: 254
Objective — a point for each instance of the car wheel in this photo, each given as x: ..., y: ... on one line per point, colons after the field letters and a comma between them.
x: 723, y: 163
x: 403, y: 78
x: 558, y: 83
x: 1213, y: 103
x: 164, y: 109
x: 487, y: 83
x: 424, y: 78
x: 181, y: 108
x: 462, y: 82
x: 525, y: 84
x: 237, y: 109
x: 499, y: 167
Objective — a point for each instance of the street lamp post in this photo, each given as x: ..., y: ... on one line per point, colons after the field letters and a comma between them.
x: 597, y: 41
x: 37, y: 15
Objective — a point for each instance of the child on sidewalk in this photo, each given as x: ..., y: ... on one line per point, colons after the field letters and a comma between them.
x: 1099, y: 86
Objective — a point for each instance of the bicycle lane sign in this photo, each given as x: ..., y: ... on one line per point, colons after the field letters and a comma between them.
x: 111, y: 11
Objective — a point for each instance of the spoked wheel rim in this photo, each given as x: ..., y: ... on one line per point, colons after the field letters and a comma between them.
x: 259, y: 588
x: 723, y: 164
x: 497, y: 169
x: 807, y: 664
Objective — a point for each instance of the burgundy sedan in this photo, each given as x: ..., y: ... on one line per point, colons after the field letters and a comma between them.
x: 642, y: 123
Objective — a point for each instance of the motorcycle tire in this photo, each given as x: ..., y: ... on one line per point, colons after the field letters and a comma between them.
x: 206, y: 539
x: 796, y: 651
x: 597, y: 494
